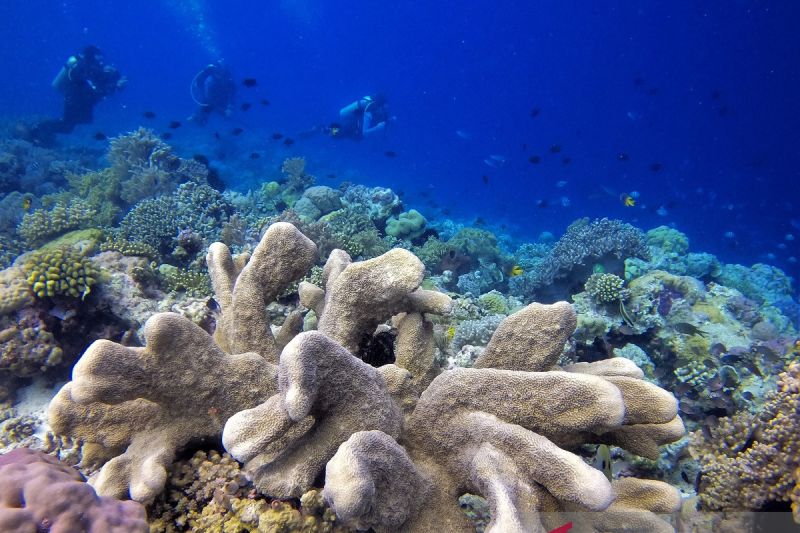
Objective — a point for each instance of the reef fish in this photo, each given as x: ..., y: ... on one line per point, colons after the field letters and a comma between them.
x: 685, y: 328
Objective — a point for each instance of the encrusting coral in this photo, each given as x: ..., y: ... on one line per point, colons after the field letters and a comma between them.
x: 38, y: 493
x: 399, y: 443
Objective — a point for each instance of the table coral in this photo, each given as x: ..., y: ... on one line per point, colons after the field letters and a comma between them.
x: 37, y: 493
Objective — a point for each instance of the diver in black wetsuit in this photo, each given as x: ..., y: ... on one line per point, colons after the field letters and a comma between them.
x: 213, y: 89
x: 85, y: 80
x: 362, y: 118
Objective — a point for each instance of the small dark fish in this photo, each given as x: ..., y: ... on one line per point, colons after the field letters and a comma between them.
x: 716, y: 94
x: 535, y: 112
x: 566, y: 161
x: 100, y: 136
x: 149, y: 114
x: 166, y: 135
x: 277, y: 136
x: 485, y: 179
x: 541, y: 204
x: 655, y: 167
x: 174, y: 124
x: 249, y: 82
x: 390, y: 153
x: 264, y: 102
x: 200, y: 158
x: 653, y: 91
x: 237, y: 131
x: 524, y: 147
x: 288, y: 141
x: 684, y: 477
x: 622, y: 156
x: 217, y: 135
x: 724, y: 111
x: 555, y: 148
x: 626, y: 330
x: 255, y: 155
x: 534, y: 159
x: 685, y: 328
x: 480, y: 221
x: 331, y: 176
x: 245, y: 106
x: 207, y: 109
x: 212, y: 304
x: 638, y: 81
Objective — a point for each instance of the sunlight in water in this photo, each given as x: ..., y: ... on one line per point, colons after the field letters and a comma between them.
x: 193, y: 15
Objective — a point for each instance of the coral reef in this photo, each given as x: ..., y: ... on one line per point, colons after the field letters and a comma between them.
x: 407, y: 225
x: 37, y: 493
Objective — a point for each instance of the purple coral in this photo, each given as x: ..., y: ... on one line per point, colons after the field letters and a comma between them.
x: 38, y: 493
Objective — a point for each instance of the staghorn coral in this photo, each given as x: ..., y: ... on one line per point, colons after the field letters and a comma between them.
x: 749, y: 460
x: 192, y: 282
x: 38, y: 493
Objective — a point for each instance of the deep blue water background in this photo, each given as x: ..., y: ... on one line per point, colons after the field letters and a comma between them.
x: 711, y: 92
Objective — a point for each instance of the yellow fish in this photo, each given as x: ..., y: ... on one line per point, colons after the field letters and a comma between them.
x: 334, y: 132
x: 516, y: 270
x: 26, y: 203
x: 627, y: 200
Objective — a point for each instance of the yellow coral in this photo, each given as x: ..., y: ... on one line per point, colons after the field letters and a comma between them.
x: 59, y: 272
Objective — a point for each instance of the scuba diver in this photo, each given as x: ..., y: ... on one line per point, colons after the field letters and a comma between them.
x: 85, y: 80
x: 213, y: 90
x: 362, y: 118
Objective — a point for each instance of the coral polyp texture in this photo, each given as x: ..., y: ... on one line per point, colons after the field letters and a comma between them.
x: 38, y: 493
x: 398, y: 444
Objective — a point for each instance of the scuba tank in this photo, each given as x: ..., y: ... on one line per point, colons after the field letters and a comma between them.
x: 355, y: 106
x: 62, y: 78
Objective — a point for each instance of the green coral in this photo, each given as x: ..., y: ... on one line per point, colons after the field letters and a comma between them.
x: 116, y: 243
x: 192, y: 282
x: 101, y: 190
x: 44, y: 224
x: 494, y: 303
x: 477, y: 243
x: 605, y: 288
x: 355, y: 233
x: 668, y: 240
x: 60, y: 272
x: 407, y: 225
x: 432, y: 252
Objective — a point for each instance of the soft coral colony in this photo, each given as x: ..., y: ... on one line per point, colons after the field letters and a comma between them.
x: 398, y: 443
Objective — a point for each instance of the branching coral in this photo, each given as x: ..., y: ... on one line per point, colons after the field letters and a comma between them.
x: 43, y: 224
x: 605, y: 288
x: 749, y: 461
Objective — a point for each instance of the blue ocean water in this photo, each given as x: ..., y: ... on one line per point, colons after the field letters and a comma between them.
x: 692, y: 105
